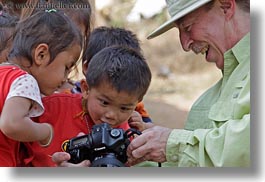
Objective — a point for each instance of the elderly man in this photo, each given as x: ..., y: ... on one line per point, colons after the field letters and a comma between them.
x: 217, y: 131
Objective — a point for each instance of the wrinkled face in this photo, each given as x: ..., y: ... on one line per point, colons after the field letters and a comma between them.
x: 51, y: 76
x: 106, y: 105
x: 205, y: 32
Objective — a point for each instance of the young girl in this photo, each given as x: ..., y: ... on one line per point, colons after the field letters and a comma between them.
x: 79, y: 11
x: 45, y: 48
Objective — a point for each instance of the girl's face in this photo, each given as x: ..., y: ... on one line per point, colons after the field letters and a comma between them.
x: 106, y: 105
x: 51, y: 76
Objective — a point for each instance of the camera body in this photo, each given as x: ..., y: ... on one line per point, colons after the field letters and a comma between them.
x: 104, y: 146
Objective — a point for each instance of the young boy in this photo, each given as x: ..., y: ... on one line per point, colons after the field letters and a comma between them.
x: 101, y: 38
x: 116, y: 82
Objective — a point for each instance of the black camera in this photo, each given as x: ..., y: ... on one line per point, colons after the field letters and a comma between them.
x: 104, y: 146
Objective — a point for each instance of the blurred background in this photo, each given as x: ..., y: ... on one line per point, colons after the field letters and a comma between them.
x: 179, y: 77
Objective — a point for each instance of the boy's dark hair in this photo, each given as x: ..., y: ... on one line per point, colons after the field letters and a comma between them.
x: 102, y: 37
x: 123, y: 68
x: 50, y: 27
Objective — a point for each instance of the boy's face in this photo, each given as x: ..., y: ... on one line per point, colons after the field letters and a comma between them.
x: 106, y: 105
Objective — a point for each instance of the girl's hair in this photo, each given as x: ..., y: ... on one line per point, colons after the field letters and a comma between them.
x: 102, y: 37
x: 50, y: 27
x: 125, y: 69
x: 30, y: 7
x: 7, y: 19
x: 14, y: 6
x: 7, y: 27
x: 79, y: 11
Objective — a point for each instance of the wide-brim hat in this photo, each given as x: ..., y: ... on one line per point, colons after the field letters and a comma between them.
x: 177, y: 9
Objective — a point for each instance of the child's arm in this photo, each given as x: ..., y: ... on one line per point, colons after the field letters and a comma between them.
x: 136, y: 121
x: 15, y: 123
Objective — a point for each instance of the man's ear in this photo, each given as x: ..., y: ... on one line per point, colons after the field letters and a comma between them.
x: 84, y: 88
x: 228, y: 7
x: 41, y: 54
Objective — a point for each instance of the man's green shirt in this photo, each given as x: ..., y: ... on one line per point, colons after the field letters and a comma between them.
x: 217, y: 131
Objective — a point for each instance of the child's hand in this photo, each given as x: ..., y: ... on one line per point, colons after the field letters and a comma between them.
x: 61, y: 158
x: 136, y: 121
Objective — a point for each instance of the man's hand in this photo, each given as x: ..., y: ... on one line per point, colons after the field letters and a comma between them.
x: 151, y: 146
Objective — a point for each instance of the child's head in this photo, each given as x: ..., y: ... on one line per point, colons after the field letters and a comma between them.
x: 46, y: 40
x: 79, y: 11
x: 14, y: 6
x: 117, y: 80
x: 7, y: 27
x: 103, y: 37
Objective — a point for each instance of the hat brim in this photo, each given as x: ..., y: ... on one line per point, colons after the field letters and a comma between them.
x: 171, y: 22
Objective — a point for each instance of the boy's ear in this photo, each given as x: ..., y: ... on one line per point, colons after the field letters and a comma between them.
x: 84, y: 88
x: 42, y: 54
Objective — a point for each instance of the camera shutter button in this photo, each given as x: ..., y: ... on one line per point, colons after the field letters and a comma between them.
x: 115, y: 133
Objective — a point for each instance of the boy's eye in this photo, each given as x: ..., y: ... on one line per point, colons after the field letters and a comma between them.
x: 103, y: 102
x: 126, y: 108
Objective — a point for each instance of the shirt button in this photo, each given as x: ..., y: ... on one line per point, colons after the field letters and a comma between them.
x: 174, y: 158
x: 235, y: 95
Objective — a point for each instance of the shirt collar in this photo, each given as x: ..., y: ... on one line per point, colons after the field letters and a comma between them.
x: 236, y: 54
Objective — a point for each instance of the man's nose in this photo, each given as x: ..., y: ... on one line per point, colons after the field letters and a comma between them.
x: 185, y: 41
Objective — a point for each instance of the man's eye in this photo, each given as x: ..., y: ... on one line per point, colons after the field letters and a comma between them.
x: 187, y: 28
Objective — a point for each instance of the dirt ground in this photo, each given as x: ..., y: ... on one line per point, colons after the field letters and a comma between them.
x: 178, y: 77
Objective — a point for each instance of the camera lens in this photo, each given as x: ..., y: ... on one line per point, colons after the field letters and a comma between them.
x: 107, y: 160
